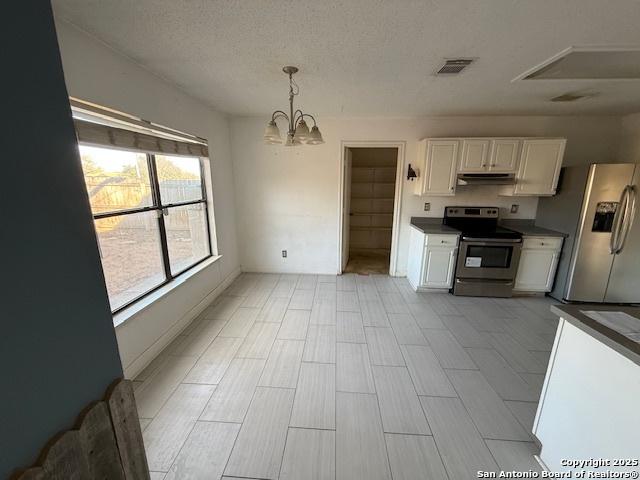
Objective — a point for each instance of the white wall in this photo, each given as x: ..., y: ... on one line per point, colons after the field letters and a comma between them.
x: 288, y: 198
x: 630, y: 141
x: 96, y: 73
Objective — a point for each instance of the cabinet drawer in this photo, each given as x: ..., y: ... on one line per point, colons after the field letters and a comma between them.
x: 542, y: 243
x: 442, y: 240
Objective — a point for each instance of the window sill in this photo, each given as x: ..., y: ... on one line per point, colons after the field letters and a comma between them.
x: 124, y: 315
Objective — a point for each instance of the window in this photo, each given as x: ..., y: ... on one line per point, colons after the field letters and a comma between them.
x: 150, y: 215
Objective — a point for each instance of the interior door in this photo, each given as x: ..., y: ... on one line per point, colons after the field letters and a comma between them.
x: 623, y: 283
x: 346, y: 207
x: 592, y: 261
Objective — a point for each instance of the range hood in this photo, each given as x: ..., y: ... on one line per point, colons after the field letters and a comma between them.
x: 486, y: 179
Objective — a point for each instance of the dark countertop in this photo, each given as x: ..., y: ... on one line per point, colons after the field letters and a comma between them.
x: 528, y: 228
x: 432, y: 225
x: 623, y: 339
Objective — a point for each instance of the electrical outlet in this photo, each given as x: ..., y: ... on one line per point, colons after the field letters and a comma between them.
x: 284, y: 254
x: 514, y: 208
x: 427, y: 207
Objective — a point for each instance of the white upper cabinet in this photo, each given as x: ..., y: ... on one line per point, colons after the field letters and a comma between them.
x: 504, y: 155
x: 475, y: 155
x: 535, y: 163
x: 440, y: 160
x: 539, y: 169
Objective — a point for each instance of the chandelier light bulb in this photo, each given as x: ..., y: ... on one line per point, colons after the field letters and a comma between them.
x: 272, y: 133
x: 315, y: 137
x: 302, y: 131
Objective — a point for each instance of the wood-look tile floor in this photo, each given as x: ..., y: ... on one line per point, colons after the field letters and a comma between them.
x: 351, y: 378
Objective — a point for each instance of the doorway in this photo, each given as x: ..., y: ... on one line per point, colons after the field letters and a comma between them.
x: 370, y: 200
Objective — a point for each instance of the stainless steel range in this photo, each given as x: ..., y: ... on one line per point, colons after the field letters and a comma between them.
x: 489, y: 254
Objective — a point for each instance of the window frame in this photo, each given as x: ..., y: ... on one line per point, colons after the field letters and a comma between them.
x: 162, y: 210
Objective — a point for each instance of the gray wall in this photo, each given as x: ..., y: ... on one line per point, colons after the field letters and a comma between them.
x: 57, y: 346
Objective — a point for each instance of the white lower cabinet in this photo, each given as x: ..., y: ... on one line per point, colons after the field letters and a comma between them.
x: 588, y: 408
x: 439, y: 264
x: 432, y: 260
x: 538, y: 262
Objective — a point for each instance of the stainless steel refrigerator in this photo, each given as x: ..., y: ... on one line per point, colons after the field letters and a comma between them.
x: 595, y: 206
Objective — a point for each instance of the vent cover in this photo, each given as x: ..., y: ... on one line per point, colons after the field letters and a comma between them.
x: 454, y: 66
x: 572, y: 97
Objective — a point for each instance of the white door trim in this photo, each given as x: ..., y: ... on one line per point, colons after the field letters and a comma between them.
x: 397, y: 202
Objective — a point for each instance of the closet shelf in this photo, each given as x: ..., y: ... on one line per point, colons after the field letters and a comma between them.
x: 372, y: 198
x: 372, y: 182
x: 370, y: 213
x: 370, y: 228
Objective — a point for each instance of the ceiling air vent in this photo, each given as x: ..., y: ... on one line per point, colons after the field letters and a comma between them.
x: 572, y: 97
x: 454, y: 66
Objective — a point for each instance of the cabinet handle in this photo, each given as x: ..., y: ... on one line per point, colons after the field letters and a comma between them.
x: 493, y: 164
x: 441, y: 241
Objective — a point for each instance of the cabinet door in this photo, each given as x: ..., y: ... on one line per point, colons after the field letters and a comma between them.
x: 438, y: 268
x: 539, y: 169
x: 440, y: 167
x: 504, y: 155
x: 474, y: 155
x: 536, y: 270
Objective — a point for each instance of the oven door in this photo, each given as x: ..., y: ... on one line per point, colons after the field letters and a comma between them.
x: 488, y: 259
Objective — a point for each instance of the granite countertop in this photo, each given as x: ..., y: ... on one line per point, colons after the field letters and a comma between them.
x: 622, y: 334
x: 528, y: 228
x: 432, y: 225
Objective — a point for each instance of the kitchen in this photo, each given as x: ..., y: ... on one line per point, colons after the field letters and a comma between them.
x: 592, y: 207
x: 591, y: 257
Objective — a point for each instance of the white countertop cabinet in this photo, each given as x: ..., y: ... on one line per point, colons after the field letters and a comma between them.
x: 538, y: 262
x: 588, y: 408
x: 432, y: 260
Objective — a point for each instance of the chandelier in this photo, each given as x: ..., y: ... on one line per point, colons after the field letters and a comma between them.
x: 298, y: 132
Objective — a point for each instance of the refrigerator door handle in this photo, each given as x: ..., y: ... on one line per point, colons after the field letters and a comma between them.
x: 629, y: 214
x: 617, y: 223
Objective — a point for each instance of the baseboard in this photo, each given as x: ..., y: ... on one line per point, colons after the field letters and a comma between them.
x: 284, y: 272
x: 432, y: 290
x: 526, y: 293
x: 140, y: 363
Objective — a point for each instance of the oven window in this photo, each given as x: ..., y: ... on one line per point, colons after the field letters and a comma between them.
x: 490, y: 257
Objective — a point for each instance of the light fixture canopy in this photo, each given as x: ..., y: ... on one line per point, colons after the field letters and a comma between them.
x: 298, y: 132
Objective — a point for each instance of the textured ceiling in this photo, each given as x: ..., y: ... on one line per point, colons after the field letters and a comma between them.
x: 366, y: 57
